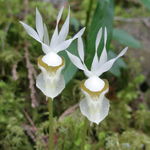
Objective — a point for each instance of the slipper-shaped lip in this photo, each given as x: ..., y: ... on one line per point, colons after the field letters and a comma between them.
x: 92, y: 93
x: 50, y: 68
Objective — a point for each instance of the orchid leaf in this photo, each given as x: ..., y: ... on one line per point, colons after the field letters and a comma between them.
x: 146, y: 3
x: 103, y: 17
x: 125, y: 39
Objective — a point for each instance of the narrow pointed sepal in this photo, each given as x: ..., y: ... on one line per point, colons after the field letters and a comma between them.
x: 95, y: 111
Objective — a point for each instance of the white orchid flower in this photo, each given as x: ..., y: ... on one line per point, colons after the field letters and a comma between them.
x: 95, y: 106
x: 51, y: 81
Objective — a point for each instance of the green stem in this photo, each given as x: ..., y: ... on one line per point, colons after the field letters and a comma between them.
x: 50, y: 108
x: 84, y: 133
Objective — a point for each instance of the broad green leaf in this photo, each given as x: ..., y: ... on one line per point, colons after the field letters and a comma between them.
x: 103, y: 17
x: 125, y: 39
x: 69, y: 70
x: 146, y: 3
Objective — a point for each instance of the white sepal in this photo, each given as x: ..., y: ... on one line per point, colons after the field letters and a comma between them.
x: 62, y: 46
x: 105, y: 36
x: 81, y: 49
x: 64, y: 30
x: 39, y: 24
x: 95, y: 59
x: 98, y: 38
x: 79, y: 34
x: 95, y: 64
x: 31, y: 31
x: 46, y: 35
x: 60, y: 14
x: 65, y: 44
x: 103, y: 57
x: 76, y: 61
x: 106, y: 66
x: 54, y: 38
x: 88, y: 73
x: 46, y: 49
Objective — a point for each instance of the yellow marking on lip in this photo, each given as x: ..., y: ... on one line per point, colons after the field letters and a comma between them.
x: 92, y: 93
x: 50, y: 68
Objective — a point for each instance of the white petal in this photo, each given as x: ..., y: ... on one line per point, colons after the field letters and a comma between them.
x: 106, y: 66
x: 48, y: 88
x: 65, y: 29
x: 60, y: 14
x: 62, y: 46
x: 88, y: 73
x: 105, y: 36
x: 54, y: 39
x: 75, y: 60
x: 95, y: 60
x: 95, y: 64
x: 39, y: 24
x: 81, y: 48
x: 46, y: 36
x: 98, y: 38
x: 95, y: 112
x: 79, y: 34
x: 103, y: 57
x: 46, y: 49
x: 31, y: 31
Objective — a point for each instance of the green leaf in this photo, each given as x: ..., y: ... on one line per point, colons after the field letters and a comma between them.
x: 69, y: 70
x: 146, y: 3
x: 125, y: 39
x: 103, y: 17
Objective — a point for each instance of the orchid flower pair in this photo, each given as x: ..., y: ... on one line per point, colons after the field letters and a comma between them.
x: 95, y: 105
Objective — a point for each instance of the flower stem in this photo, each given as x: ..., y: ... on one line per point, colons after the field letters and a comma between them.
x: 50, y: 108
x: 84, y: 133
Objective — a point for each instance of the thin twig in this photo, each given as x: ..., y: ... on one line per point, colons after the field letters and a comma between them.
x: 30, y: 131
x: 29, y: 118
x: 14, y: 72
x: 69, y: 111
x: 31, y: 72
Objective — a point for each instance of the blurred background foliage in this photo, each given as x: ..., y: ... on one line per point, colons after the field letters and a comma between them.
x: 23, y: 108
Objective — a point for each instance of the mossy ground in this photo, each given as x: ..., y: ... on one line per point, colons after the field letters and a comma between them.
x: 127, y: 126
